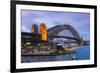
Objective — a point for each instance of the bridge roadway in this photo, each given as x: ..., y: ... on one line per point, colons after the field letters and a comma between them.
x: 50, y: 36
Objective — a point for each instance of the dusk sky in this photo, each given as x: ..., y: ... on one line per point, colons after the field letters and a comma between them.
x: 80, y: 21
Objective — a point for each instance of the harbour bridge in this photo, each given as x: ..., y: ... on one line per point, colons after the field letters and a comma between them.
x: 54, y: 31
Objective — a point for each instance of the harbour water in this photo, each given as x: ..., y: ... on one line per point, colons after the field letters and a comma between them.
x: 83, y: 53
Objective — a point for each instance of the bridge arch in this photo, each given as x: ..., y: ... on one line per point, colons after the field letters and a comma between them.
x: 58, y: 28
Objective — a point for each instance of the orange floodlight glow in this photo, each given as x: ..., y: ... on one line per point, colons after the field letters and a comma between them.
x: 43, y: 31
x: 32, y: 28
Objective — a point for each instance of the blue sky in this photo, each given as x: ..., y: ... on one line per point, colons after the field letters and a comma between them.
x: 80, y: 21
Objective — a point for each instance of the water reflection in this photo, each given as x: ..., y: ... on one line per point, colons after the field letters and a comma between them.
x: 82, y: 53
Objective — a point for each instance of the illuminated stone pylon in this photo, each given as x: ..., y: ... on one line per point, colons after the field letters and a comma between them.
x: 43, y: 31
x: 34, y: 28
